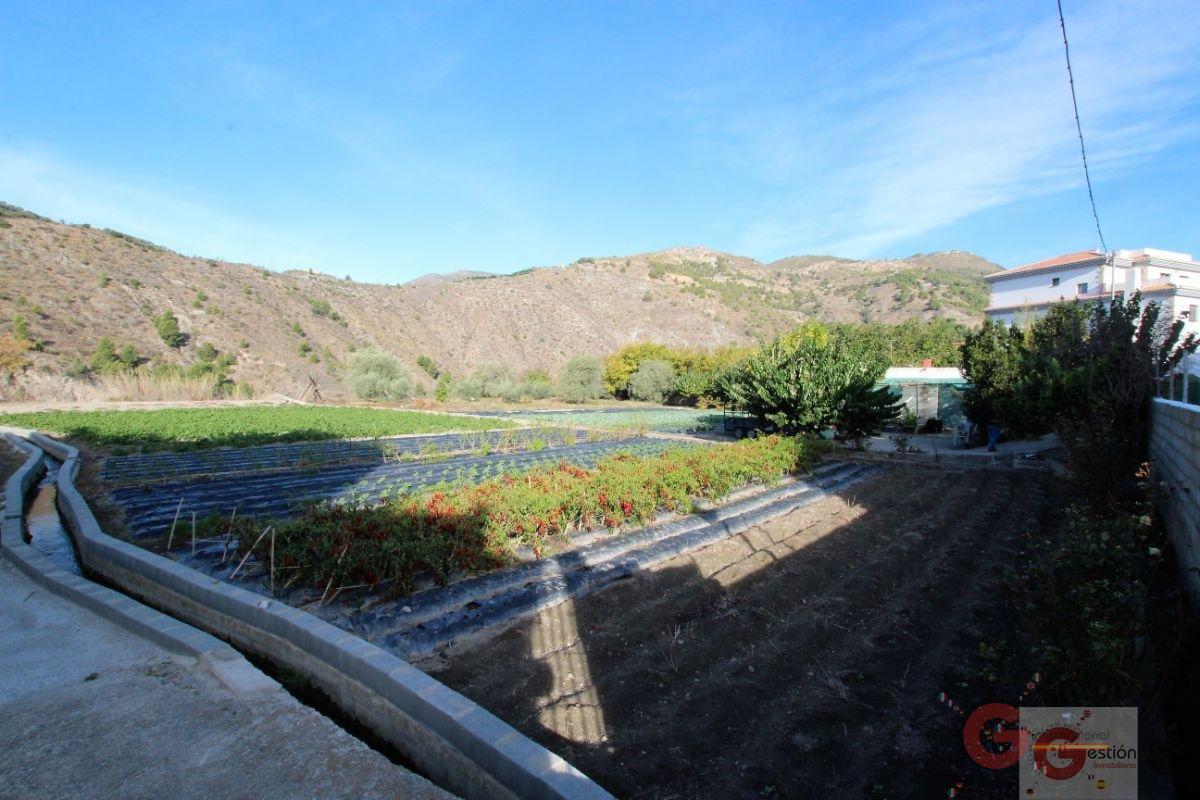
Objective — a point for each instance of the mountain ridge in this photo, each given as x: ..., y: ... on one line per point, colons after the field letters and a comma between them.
x: 74, y: 284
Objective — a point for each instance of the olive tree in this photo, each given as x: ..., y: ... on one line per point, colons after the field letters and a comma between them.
x: 376, y: 374
x: 651, y: 381
x: 581, y: 379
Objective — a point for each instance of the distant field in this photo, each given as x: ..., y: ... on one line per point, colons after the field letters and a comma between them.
x: 199, y: 428
x: 659, y: 419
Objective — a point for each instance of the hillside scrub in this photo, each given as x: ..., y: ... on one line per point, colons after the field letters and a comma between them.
x: 239, y: 426
x: 167, y: 326
x: 375, y: 374
x: 472, y: 528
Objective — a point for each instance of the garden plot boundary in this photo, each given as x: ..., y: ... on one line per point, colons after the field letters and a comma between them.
x: 454, y: 741
x: 162, y: 465
x: 226, y: 664
x: 483, y: 607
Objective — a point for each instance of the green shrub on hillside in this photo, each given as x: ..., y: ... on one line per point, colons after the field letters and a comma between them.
x: 104, y: 359
x: 375, y: 374
x: 168, y: 329
x: 428, y: 365
x: 441, y: 392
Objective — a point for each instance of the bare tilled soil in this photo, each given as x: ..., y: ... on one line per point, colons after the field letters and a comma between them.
x: 804, y: 658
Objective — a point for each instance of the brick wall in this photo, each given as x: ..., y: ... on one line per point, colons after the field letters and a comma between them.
x: 1175, y: 452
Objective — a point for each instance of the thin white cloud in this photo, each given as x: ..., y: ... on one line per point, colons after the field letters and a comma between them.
x: 941, y: 130
x: 50, y: 184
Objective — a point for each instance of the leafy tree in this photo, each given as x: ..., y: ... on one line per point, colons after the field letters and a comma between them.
x: 493, y: 379
x: 469, y: 388
x: 806, y: 380
x: 992, y: 360
x: 909, y: 343
x: 536, y: 384
x: 1102, y: 390
x: 206, y: 352
x: 581, y: 379
x: 652, y: 380
x: 622, y: 364
x: 168, y: 329
x: 375, y: 374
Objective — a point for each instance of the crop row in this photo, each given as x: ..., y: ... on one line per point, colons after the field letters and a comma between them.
x: 477, y: 527
x: 151, y: 509
x: 239, y: 426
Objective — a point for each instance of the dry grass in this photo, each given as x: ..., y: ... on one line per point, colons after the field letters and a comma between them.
x: 37, y: 385
x: 135, y: 386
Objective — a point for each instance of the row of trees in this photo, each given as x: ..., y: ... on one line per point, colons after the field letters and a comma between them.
x: 1086, y: 372
x: 654, y: 372
x: 377, y: 374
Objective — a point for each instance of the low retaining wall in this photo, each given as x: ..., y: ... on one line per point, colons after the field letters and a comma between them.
x: 454, y: 741
x: 113, y: 606
x: 1175, y: 452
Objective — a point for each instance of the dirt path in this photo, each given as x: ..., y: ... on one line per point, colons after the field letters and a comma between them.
x: 803, y: 658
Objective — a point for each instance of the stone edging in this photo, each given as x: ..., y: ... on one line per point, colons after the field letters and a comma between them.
x: 454, y: 741
x: 169, y: 633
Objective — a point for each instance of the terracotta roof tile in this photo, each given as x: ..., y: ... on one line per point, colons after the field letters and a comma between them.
x: 1081, y: 258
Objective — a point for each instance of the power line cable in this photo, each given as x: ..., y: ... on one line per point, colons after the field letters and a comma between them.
x: 1079, y: 128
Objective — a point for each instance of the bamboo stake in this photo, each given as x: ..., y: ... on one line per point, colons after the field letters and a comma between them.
x: 249, y: 551
x: 193, y: 533
x: 171, y: 535
x: 228, y: 536
x: 272, y: 560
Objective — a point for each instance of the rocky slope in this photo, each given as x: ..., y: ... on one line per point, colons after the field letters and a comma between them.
x: 74, y: 284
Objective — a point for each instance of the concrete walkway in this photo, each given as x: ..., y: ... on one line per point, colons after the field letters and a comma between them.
x: 943, y: 444
x: 88, y: 710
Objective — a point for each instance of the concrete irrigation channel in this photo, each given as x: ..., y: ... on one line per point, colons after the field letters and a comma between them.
x: 150, y: 508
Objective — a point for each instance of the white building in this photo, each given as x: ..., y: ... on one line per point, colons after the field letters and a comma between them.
x: 1172, y: 279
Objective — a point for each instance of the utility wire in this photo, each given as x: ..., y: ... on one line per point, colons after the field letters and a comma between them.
x: 1079, y: 127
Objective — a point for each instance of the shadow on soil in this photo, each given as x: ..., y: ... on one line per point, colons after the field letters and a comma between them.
x: 807, y: 659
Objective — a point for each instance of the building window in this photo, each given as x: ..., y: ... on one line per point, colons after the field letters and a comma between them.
x: 1054, y: 281
x: 1165, y: 275
x: 1081, y: 288
x: 1193, y: 313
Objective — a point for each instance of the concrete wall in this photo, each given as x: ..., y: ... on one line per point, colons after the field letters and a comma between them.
x: 1175, y: 453
x: 454, y: 741
x: 1038, y: 287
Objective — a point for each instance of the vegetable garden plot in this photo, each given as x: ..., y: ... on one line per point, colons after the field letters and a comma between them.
x: 149, y: 510
x: 174, y: 465
x: 219, y: 426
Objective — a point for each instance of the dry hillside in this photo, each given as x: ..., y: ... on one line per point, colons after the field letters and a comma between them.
x: 74, y: 284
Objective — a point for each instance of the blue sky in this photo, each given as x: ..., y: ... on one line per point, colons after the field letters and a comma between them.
x: 384, y: 140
